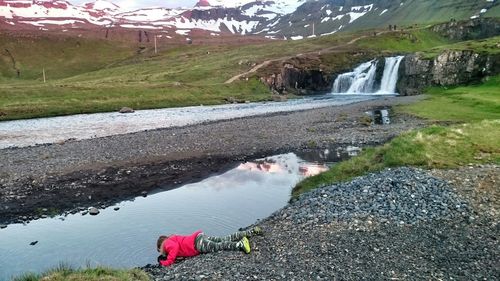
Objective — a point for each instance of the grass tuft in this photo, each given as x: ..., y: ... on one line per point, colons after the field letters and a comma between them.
x: 65, y: 272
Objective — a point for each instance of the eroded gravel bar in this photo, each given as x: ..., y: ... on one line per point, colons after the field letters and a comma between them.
x: 459, y: 243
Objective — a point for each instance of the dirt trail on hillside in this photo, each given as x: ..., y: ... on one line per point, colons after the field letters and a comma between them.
x: 325, y: 50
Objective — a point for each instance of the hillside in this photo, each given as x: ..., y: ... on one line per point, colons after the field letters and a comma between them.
x: 277, y: 19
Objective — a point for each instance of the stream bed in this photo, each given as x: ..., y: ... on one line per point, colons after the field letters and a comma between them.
x: 22, y: 133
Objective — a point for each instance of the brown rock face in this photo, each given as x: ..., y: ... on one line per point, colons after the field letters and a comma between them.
x: 447, y: 69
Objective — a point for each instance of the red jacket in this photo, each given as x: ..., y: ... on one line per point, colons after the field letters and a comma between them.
x: 179, y: 246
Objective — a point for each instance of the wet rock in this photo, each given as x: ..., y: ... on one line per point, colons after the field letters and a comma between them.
x: 93, y: 211
x: 144, y: 194
x: 2, y: 226
x: 116, y: 208
x: 33, y: 243
x: 126, y: 110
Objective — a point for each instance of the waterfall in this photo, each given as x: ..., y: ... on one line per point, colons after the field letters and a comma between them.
x: 358, y: 81
x: 362, y: 79
x: 390, y: 77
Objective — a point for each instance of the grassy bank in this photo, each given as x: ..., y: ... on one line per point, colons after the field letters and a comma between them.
x: 54, y: 100
x: 460, y: 104
x: 473, y: 141
x: 63, y: 273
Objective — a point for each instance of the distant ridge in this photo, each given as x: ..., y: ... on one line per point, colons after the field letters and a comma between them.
x: 276, y: 19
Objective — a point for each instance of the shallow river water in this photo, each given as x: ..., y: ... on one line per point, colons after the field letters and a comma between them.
x: 217, y: 205
x: 30, y: 132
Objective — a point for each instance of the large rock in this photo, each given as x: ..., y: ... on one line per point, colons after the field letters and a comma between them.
x: 299, y: 80
x: 447, y: 69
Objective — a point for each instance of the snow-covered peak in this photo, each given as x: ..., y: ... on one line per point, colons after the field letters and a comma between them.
x: 223, y: 3
x: 150, y: 15
x: 102, y: 5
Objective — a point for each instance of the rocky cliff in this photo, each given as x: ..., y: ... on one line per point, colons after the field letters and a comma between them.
x: 299, y: 81
x: 447, y: 69
x: 469, y: 30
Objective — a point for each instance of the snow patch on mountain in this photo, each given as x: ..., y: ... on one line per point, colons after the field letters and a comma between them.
x: 102, y: 5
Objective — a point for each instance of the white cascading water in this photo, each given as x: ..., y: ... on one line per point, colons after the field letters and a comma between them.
x: 390, y: 77
x: 358, y: 81
x: 362, y: 78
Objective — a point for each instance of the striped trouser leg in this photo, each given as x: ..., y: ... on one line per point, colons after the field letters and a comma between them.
x: 237, y: 236
x: 205, y: 245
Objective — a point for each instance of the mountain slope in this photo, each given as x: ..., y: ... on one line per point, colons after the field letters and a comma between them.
x: 291, y: 19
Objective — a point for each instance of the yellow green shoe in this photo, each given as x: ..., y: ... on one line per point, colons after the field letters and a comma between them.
x: 246, y: 245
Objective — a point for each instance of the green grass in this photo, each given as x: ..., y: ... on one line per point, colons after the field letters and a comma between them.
x: 409, y: 41
x: 63, y: 273
x: 483, y: 46
x: 460, y: 104
x: 64, y: 99
x: 477, y: 107
x: 60, y: 56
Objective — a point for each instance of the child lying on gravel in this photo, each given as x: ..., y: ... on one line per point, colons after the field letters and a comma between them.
x: 199, y: 243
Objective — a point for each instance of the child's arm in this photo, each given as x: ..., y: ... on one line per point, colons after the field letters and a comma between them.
x: 173, y: 250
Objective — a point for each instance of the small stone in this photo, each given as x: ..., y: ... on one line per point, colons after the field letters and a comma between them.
x: 93, y: 211
x: 126, y: 110
x: 33, y: 243
x: 116, y: 208
x: 2, y: 226
x: 144, y: 194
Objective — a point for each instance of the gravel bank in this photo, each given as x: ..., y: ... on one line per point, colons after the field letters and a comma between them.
x: 306, y: 241
x: 75, y: 175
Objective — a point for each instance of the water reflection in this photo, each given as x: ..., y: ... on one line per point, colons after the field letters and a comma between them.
x: 283, y: 165
x: 329, y: 155
x: 218, y: 205
x: 380, y: 116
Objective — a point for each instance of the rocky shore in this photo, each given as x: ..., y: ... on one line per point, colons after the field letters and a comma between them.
x: 73, y: 176
x: 399, y: 224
